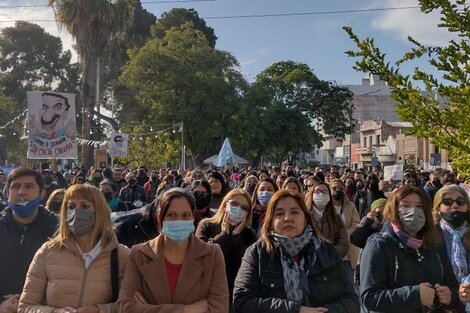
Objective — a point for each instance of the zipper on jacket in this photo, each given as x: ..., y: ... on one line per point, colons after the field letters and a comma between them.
x: 80, y: 299
x: 22, y: 239
x: 396, y: 268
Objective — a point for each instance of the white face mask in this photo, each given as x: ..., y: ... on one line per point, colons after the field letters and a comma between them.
x: 321, y: 199
x: 235, y: 214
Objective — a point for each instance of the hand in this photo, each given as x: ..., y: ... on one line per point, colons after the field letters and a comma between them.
x: 371, y: 215
x: 306, y: 309
x: 88, y: 309
x: 239, y: 228
x: 10, y: 305
x: 225, y: 224
x: 139, y: 298
x: 200, y: 306
x: 426, y: 294
x: 464, y: 293
x: 443, y: 293
x: 67, y: 309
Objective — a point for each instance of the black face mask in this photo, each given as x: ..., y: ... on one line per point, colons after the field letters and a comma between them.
x: 203, y: 200
x: 251, y: 188
x: 338, y: 195
x: 454, y: 218
x: 132, y: 181
x: 351, y: 185
x: 108, y: 196
x: 153, y: 178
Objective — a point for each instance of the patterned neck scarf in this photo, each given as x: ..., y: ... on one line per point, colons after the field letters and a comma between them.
x: 295, y: 274
x: 408, y: 241
x: 455, y: 248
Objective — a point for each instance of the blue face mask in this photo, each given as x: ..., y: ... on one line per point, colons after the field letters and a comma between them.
x: 25, y: 210
x: 178, y: 231
x: 264, y: 197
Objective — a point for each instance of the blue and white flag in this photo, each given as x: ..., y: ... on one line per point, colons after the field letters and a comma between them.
x: 225, y: 154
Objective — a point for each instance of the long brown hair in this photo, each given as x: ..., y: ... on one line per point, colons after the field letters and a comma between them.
x: 428, y: 233
x: 333, y: 220
x: 219, y: 215
x: 268, y: 221
x: 103, y: 228
x: 440, y: 194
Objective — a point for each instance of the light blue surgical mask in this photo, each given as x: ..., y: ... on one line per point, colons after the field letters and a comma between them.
x: 236, y: 214
x: 264, y: 197
x: 178, y: 231
x: 25, y: 209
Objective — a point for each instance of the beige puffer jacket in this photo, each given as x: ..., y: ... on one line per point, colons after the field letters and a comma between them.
x: 58, y: 278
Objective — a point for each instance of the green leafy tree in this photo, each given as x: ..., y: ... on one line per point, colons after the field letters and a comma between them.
x: 443, y: 119
x: 181, y: 78
x: 152, y: 150
x: 31, y: 59
x: 92, y: 23
x: 288, y: 109
x: 179, y: 16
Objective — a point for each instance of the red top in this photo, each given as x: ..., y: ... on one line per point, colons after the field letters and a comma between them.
x: 172, y: 272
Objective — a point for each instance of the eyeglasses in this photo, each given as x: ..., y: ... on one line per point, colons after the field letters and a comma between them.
x: 319, y: 192
x: 450, y: 202
x: 242, y: 206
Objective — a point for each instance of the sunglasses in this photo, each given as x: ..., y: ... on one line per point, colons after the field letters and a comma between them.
x: 242, y: 206
x: 450, y: 202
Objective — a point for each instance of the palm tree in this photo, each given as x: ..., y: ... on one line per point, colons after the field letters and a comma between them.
x: 92, y: 23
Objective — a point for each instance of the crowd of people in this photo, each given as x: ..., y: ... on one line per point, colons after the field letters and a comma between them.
x: 277, y: 239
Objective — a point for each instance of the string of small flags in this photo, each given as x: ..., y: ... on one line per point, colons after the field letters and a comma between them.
x: 92, y: 143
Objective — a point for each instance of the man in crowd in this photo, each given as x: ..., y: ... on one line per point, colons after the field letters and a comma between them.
x: 133, y: 192
x: 24, y: 226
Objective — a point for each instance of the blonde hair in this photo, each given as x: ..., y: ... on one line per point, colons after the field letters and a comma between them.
x: 52, y: 196
x: 219, y: 215
x: 103, y: 228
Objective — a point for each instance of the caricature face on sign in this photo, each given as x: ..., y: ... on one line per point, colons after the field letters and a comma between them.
x: 118, y: 141
x: 53, y: 113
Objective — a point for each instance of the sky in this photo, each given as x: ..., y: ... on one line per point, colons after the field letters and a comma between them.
x: 311, y: 36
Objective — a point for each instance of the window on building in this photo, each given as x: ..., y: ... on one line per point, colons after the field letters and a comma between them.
x: 365, y: 142
x: 370, y: 141
x: 377, y: 140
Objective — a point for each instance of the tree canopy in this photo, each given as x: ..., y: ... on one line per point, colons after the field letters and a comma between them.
x: 181, y: 78
x: 443, y: 119
x: 288, y: 109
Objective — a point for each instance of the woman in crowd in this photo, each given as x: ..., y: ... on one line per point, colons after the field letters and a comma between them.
x: 71, y: 272
x: 231, y: 229
x: 293, y: 185
x: 325, y: 218
x: 175, y: 272
x: 262, y: 174
x: 166, y: 184
x: 55, y: 200
x: 263, y: 192
x: 409, y: 178
x: 219, y: 188
x: 451, y: 212
x: 80, y: 178
x: 291, y: 269
x: 111, y: 194
x: 249, y: 184
x: 350, y: 188
x: 280, y: 180
x: 371, y: 192
x: 400, y: 267
x: 201, y: 191
x: 350, y: 217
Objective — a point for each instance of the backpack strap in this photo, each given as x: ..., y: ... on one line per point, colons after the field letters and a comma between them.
x: 115, y: 274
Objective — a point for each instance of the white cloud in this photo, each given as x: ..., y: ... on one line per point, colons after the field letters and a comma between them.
x: 412, y: 22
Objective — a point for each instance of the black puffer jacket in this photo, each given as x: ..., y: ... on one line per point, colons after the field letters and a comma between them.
x: 259, y: 286
x: 18, y: 244
x: 391, y: 273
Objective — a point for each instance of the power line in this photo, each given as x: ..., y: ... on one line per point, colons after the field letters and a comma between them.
x: 312, y: 13
x: 147, y: 2
x: 271, y: 15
